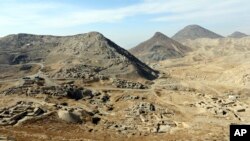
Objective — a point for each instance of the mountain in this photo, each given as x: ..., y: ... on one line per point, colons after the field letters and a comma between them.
x: 237, y: 34
x: 17, y: 48
x: 159, y: 47
x: 194, y: 32
x: 89, y: 53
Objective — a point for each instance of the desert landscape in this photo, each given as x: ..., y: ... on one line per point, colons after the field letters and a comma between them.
x: 85, y: 87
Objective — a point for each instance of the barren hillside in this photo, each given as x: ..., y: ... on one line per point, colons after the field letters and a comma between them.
x: 159, y: 47
x: 70, y: 97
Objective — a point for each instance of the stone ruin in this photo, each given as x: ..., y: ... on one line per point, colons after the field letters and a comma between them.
x: 140, y: 118
x: 145, y: 118
x: 25, y: 110
x: 30, y: 81
x: 118, y: 83
x: 85, y: 72
x: 224, y: 107
x: 21, y: 111
x: 67, y: 90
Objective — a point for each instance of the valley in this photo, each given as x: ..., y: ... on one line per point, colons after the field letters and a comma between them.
x: 85, y: 87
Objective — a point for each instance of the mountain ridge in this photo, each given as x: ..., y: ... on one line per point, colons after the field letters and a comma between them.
x: 91, y: 48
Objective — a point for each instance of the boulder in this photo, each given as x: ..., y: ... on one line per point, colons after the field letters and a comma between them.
x: 69, y: 117
x: 163, y: 128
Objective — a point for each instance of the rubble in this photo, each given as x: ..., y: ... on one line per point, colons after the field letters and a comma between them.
x: 148, y: 117
x: 222, y: 106
x: 31, y: 81
x: 128, y: 84
x: 178, y: 87
x: 85, y: 72
x: 67, y: 90
x: 12, y: 115
x: 130, y: 97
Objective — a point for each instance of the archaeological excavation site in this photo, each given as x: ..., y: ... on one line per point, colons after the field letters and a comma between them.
x: 100, y: 75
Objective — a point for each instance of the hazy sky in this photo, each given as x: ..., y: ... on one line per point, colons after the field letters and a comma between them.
x: 127, y: 22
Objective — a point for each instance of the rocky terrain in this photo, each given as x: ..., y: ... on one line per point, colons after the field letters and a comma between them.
x: 88, y: 88
x: 219, y: 47
x: 23, y: 48
x: 194, y: 32
x: 158, y: 48
x: 73, y: 52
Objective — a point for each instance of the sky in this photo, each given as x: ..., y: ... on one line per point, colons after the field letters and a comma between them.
x: 126, y: 22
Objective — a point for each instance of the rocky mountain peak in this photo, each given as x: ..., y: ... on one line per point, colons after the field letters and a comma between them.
x: 94, y: 34
x: 194, y: 32
x: 158, y: 48
x: 193, y: 26
x: 159, y: 35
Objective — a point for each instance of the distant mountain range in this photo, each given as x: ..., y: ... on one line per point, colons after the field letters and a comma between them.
x: 95, y: 50
x: 159, y: 47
